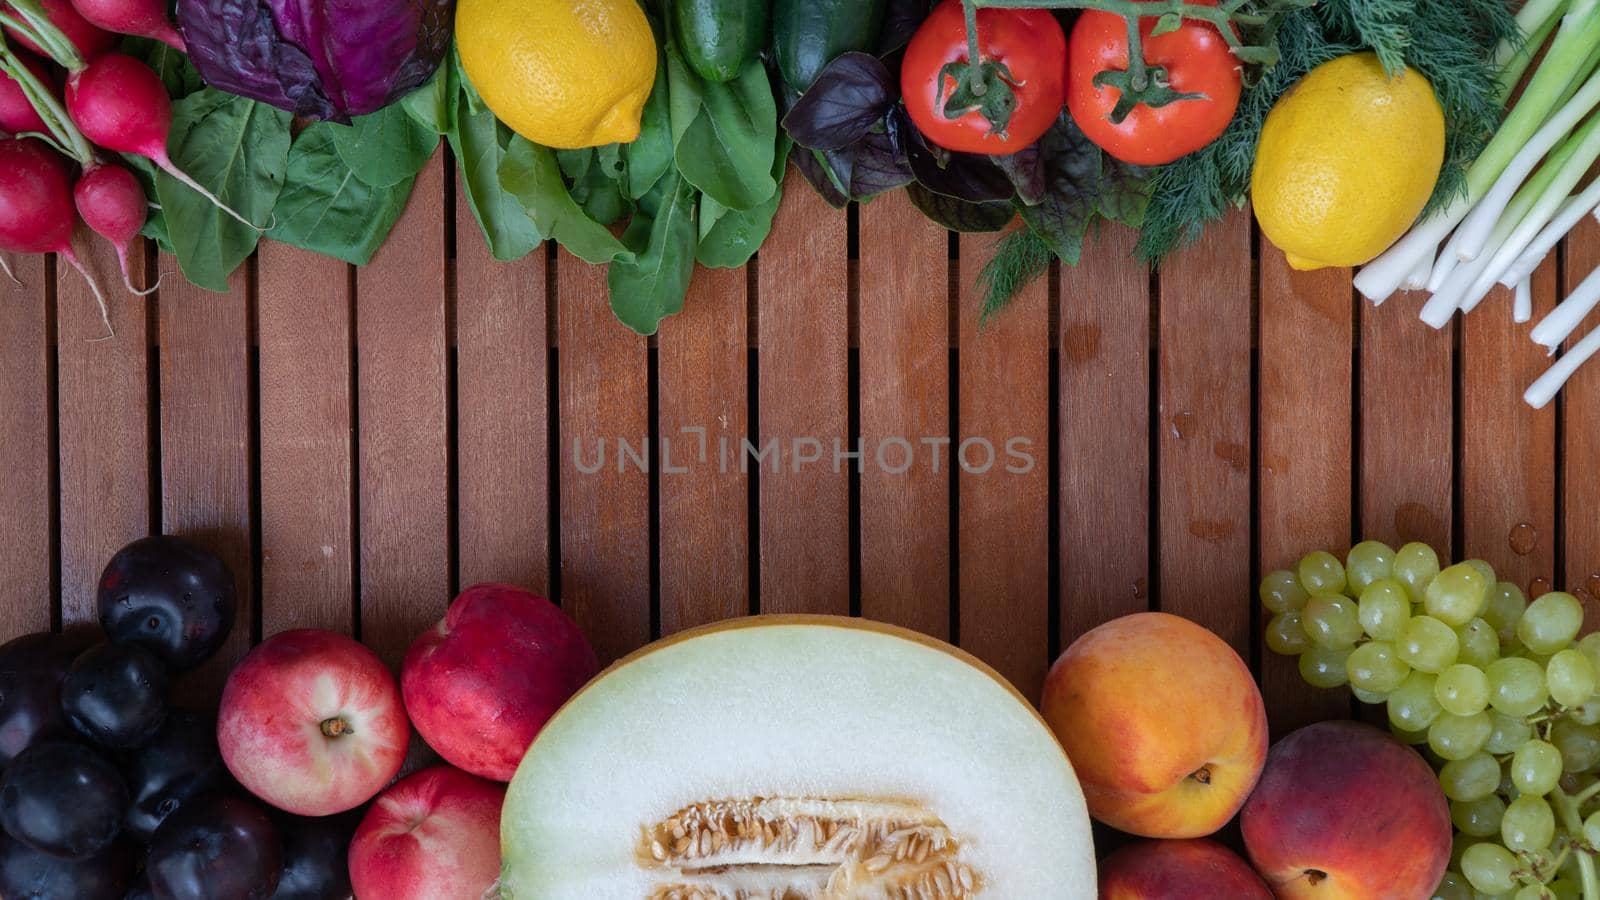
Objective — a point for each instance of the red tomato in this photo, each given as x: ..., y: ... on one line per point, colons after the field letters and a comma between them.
x: 1196, y: 60
x: 1031, y: 45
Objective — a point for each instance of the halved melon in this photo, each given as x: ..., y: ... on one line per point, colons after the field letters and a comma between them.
x: 796, y: 758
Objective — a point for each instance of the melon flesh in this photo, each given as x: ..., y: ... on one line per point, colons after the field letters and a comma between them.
x: 796, y: 758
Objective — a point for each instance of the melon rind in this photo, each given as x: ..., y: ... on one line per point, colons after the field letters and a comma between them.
x: 816, y: 707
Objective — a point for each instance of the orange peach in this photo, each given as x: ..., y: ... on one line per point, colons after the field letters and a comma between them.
x: 1195, y: 869
x: 1346, y: 812
x: 1163, y: 723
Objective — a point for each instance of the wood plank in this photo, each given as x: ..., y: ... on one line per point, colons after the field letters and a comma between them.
x: 1203, y: 430
x: 1407, y: 416
x: 803, y: 325
x: 704, y: 497
x: 401, y: 400
x: 604, y: 376
x: 1003, y: 479
x: 905, y: 406
x: 27, y: 492
x: 1104, y: 460
x: 1305, y: 451
x: 103, y: 403
x: 307, y: 527
x: 1579, y: 451
x: 502, y: 413
x: 1508, y: 450
x: 206, y: 460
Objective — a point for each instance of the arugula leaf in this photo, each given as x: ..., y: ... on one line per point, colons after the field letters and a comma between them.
x: 239, y: 150
x: 724, y: 135
x: 532, y: 176
x: 326, y: 208
x: 386, y: 147
x: 480, y: 145
x: 728, y: 238
x: 651, y: 283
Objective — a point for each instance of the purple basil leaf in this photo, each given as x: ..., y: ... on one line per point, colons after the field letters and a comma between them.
x: 959, y: 215
x: 878, y: 164
x: 1073, y: 183
x: 900, y: 22
x: 961, y: 175
x: 1025, y: 168
x: 326, y: 59
x: 814, y: 169
x: 849, y: 96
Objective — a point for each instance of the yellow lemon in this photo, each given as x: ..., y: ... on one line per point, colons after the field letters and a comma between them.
x: 1347, y: 160
x: 562, y: 73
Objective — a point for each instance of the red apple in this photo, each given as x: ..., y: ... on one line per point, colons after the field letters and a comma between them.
x: 1195, y: 869
x: 1343, y: 810
x: 312, y: 723
x: 433, y: 836
x: 481, y: 684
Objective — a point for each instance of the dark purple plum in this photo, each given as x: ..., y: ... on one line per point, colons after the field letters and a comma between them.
x: 216, y: 847
x: 316, y: 856
x: 172, y: 597
x: 31, y: 670
x: 180, y: 762
x: 63, y: 799
x: 27, y: 874
x: 115, y: 695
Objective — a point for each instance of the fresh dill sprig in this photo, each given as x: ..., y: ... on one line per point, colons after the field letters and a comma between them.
x: 1019, y: 258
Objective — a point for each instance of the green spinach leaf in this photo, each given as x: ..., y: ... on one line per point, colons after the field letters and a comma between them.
x: 724, y: 135
x: 650, y: 156
x: 433, y: 104
x: 728, y: 238
x: 387, y: 147
x: 239, y: 150
x: 651, y: 285
x: 532, y: 176
x: 326, y: 208
x: 177, y: 73
x: 480, y: 142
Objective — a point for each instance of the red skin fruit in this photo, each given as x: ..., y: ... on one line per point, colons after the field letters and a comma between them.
x: 144, y: 18
x: 272, y: 723
x: 17, y: 115
x: 36, y: 214
x: 433, y: 836
x: 112, y: 203
x: 120, y: 104
x: 90, y: 41
x: 1350, y: 802
x: 481, y: 684
x: 1195, y: 869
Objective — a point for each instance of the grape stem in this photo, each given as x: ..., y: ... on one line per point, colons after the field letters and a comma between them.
x: 1585, y: 795
x: 1566, y: 806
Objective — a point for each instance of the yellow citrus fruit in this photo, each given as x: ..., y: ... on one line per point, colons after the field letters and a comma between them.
x: 1347, y: 160
x: 562, y: 73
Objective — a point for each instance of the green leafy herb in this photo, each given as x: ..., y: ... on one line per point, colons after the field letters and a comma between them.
x: 961, y: 215
x: 239, y: 150
x: 387, y: 147
x: 724, y: 135
x: 1020, y: 258
x: 481, y: 145
x: 326, y: 208
x: 531, y: 174
x: 729, y: 237
x: 652, y: 284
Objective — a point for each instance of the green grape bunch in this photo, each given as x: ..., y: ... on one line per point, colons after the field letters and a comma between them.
x: 1500, y: 694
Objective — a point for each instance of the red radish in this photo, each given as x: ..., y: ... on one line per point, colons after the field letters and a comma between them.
x: 111, y: 202
x: 120, y: 104
x: 142, y: 18
x: 90, y: 41
x: 17, y: 115
x: 36, y: 207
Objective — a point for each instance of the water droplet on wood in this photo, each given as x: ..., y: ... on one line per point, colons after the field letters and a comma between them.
x: 1523, y: 539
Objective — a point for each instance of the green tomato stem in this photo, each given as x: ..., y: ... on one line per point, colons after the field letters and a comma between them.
x: 974, y: 49
x: 1566, y: 807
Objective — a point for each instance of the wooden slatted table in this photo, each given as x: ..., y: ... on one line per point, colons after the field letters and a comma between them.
x: 359, y: 444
